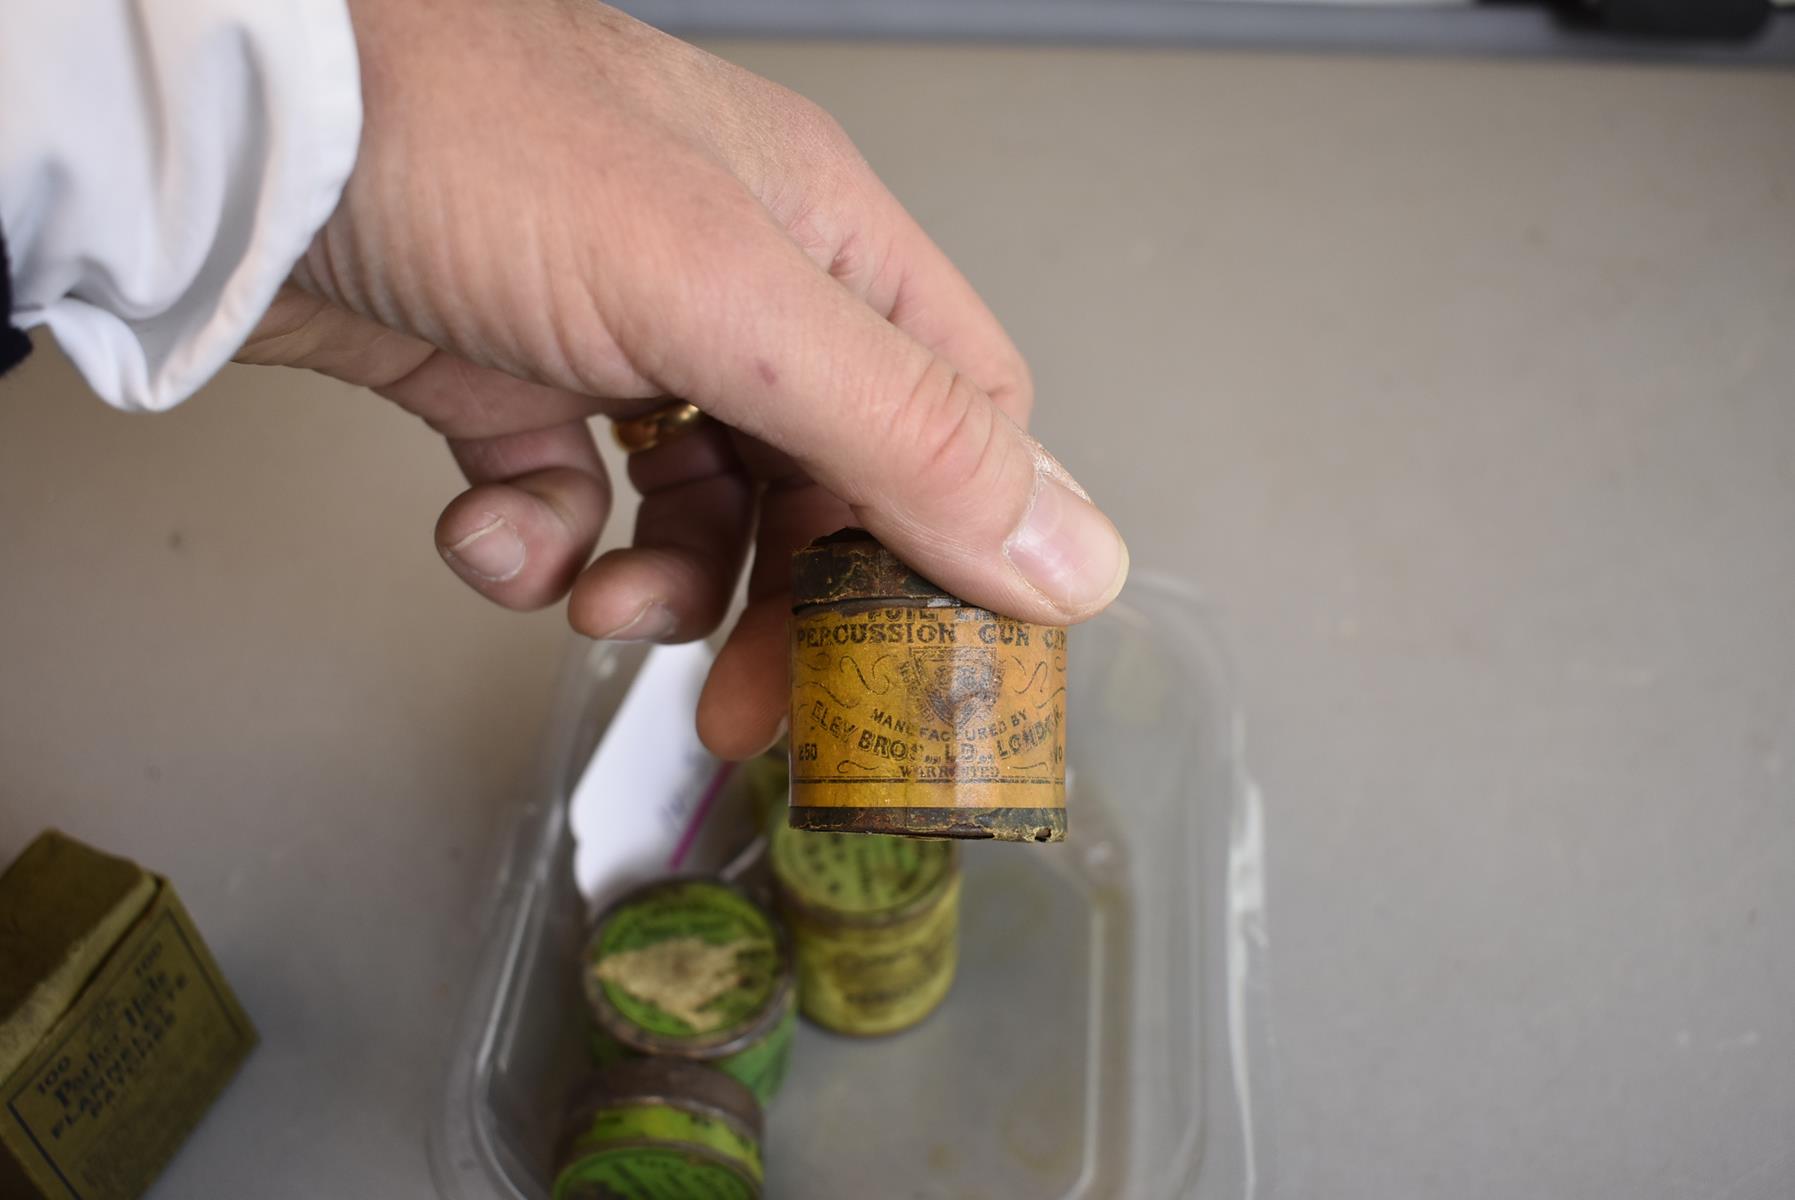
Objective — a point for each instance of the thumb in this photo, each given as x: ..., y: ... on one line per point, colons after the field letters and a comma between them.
x: 920, y: 453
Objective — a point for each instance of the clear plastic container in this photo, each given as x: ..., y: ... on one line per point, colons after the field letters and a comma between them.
x: 1104, y: 1037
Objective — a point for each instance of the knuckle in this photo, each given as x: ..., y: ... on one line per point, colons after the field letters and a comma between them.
x: 818, y: 145
x: 816, y: 128
x: 951, y: 430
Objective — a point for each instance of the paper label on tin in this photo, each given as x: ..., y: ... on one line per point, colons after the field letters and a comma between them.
x: 760, y: 1067
x: 634, y: 1124
x: 916, y: 706
x: 649, y: 1173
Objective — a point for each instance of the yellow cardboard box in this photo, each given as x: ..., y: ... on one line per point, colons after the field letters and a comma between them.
x: 116, y: 1029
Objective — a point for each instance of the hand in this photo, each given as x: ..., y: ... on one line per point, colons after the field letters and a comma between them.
x: 558, y: 212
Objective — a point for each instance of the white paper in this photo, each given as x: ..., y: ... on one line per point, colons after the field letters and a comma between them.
x: 653, y: 801
x: 636, y: 797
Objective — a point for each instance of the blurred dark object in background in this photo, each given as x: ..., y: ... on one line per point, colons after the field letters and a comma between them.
x: 1760, y: 32
x: 1701, y: 19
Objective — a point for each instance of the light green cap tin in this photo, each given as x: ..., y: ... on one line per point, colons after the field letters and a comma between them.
x: 857, y: 877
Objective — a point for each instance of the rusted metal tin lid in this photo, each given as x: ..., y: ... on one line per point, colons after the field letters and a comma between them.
x: 669, y: 1081
x: 849, y: 565
x: 661, y: 1128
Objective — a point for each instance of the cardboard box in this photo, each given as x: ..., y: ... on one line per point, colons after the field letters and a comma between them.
x: 116, y: 1029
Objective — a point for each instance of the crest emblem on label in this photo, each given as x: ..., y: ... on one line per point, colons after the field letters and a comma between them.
x: 958, y: 683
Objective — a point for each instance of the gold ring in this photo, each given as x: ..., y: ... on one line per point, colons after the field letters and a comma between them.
x: 660, y: 426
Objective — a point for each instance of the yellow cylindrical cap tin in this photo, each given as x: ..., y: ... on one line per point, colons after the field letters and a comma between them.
x: 915, y: 713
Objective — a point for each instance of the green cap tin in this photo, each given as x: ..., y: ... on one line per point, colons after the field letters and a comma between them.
x: 661, y: 1129
x: 858, y: 879
x: 693, y: 969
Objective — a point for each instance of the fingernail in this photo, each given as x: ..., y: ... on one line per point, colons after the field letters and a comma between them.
x: 1067, y: 550
x: 652, y: 622
x: 492, y: 553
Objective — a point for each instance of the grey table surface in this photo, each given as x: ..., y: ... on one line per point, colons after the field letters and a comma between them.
x: 1466, y: 390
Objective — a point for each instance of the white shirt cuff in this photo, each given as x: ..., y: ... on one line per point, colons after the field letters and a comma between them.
x: 162, y: 166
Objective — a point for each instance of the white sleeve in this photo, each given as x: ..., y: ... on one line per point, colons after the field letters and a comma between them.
x: 163, y: 163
